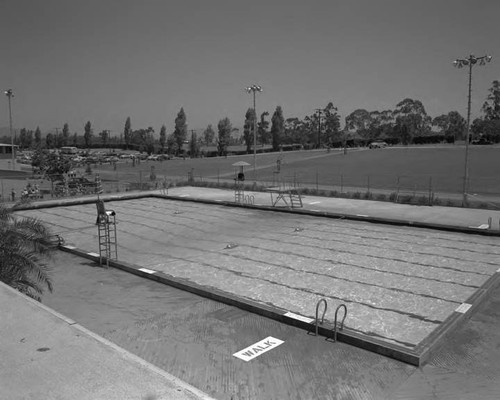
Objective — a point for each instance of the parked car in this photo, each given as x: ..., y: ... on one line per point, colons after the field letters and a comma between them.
x: 482, y: 140
x: 377, y: 145
x: 78, y: 159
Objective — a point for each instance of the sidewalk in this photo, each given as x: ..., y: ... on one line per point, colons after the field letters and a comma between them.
x: 378, y: 210
x: 45, y: 355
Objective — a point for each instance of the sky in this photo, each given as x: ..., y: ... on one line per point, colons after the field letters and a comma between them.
x: 73, y: 61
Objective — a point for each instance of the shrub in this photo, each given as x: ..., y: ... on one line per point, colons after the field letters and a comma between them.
x: 405, y: 199
x: 422, y: 200
x: 356, y: 195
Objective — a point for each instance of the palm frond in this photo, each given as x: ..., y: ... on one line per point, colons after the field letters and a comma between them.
x: 25, y: 245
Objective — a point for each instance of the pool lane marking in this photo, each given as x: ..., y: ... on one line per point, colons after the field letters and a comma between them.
x: 463, y: 308
x: 148, y: 271
x: 299, y: 317
x: 258, y: 348
x: 482, y: 226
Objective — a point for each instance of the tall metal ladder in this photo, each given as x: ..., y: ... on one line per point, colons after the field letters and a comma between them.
x: 239, y: 192
x: 295, y: 198
x: 294, y: 192
x: 106, y: 226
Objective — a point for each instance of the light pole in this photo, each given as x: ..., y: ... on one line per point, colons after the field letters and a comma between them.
x: 253, y: 89
x: 9, y: 93
x: 460, y: 63
x: 319, y: 111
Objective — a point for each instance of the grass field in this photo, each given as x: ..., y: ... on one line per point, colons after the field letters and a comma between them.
x: 414, y: 167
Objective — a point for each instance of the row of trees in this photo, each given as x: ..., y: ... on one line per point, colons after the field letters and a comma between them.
x: 407, y: 123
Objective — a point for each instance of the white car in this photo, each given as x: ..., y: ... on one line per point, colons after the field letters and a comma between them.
x: 377, y: 145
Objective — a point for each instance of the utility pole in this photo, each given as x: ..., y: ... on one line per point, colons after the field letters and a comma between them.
x: 191, y: 144
x: 319, y: 111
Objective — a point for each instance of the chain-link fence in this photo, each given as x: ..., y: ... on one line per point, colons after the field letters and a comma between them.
x: 113, y: 178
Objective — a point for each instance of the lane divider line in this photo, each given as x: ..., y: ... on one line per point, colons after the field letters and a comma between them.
x: 463, y: 308
x: 148, y: 271
x: 299, y: 317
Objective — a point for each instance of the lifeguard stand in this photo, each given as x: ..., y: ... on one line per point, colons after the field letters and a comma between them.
x: 239, y: 181
x: 287, y: 190
x: 106, y: 226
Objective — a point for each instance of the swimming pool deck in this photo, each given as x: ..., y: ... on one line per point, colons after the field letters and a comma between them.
x: 45, y: 355
x: 404, y: 287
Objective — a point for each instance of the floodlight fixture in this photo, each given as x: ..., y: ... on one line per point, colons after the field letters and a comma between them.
x: 253, y: 89
x: 10, y: 93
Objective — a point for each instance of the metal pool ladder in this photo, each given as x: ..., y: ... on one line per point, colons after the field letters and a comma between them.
x: 323, y: 316
x: 335, y: 324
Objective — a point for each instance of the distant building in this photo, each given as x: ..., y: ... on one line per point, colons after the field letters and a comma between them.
x: 6, y: 151
x: 68, y: 150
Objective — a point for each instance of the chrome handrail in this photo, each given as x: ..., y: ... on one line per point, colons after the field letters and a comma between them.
x: 323, y: 316
x: 342, y: 323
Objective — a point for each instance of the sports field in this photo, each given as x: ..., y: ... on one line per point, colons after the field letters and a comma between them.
x: 440, y: 168
x: 399, y: 283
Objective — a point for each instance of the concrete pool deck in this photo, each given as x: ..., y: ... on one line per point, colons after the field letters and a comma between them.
x: 45, y: 355
x: 401, y: 296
